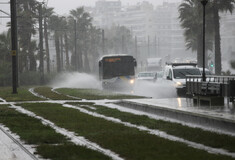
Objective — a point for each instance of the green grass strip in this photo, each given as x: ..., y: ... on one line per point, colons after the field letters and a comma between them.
x: 22, y: 95
x: 49, y: 144
x: 198, y: 135
x: 70, y: 152
x: 46, y: 92
x: 31, y: 130
x: 94, y: 94
x: 129, y: 143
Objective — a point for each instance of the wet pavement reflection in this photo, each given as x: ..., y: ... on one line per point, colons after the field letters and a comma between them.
x: 227, y: 111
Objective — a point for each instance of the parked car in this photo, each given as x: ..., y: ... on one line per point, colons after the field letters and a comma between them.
x: 176, y: 74
x: 147, y: 76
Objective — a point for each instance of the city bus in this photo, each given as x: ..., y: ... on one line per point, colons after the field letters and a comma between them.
x: 117, y: 71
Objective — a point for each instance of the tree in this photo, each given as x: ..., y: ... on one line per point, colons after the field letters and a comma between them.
x: 95, y: 46
x: 5, y: 61
x: 27, y: 11
x: 191, y: 20
x: 55, y: 26
x: 119, y: 40
x: 216, y: 7
x: 83, y: 20
x: 47, y: 12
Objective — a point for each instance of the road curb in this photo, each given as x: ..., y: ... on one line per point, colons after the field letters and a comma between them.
x: 184, y: 116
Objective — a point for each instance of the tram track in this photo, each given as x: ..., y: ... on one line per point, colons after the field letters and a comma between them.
x: 31, y: 155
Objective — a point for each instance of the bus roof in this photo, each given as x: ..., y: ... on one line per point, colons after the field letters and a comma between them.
x: 115, y: 55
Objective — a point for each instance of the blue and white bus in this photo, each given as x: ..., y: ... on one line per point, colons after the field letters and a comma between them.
x: 117, y: 71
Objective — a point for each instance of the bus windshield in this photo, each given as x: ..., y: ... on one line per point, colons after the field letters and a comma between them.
x: 118, y: 66
x: 111, y: 70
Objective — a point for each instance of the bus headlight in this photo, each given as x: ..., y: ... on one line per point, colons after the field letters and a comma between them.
x: 132, y: 81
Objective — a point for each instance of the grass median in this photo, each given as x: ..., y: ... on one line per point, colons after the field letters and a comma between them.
x: 22, y: 95
x: 48, y: 93
x: 192, y: 134
x: 129, y: 143
x: 48, y: 143
x: 95, y: 94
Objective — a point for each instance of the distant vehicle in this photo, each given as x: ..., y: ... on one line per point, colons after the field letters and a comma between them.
x: 207, y: 71
x: 159, y: 74
x: 154, y: 64
x: 176, y: 74
x: 117, y: 71
x: 147, y: 76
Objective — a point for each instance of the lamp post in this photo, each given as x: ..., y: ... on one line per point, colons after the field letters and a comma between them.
x: 204, y: 2
x: 14, y: 46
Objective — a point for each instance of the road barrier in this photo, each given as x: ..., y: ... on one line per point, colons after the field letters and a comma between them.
x: 214, y: 89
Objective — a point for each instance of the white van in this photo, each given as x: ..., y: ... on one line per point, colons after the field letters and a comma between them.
x: 176, y: 73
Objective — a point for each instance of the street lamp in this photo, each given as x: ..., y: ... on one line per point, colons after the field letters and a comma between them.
x: 204, y: 2
x: 14, y: 46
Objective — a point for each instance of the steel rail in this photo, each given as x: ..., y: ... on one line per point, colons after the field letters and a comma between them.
x: 19, y: 144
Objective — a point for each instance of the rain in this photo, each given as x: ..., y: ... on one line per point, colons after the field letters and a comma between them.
x: 168, y: 61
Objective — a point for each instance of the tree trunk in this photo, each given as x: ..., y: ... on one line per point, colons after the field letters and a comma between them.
x: 218, y: 66
x: 62, y: 52
x: 66, y: 49
x: 57, y: 47
x: 86, y: 63
x: 47, y: 45
x: 80, y: 60
x: 32, y: 60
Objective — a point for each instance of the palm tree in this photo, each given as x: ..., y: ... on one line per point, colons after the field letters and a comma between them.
x: 5, y: 47
x: 27, y: 10
x: 47, y: 12
x: 95, y: 44
x: 5, y: 61
x: 54, y: 25
x: 191, y: 20
x: 83, y: 20
x: 216, y: 7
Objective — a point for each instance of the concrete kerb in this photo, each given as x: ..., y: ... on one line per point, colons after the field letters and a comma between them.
x: 185, y: 116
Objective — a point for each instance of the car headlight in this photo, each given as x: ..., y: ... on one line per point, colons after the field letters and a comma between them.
x: 132, y: 81
x: 178, y: 84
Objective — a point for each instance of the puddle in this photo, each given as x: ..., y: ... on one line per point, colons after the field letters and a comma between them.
x: 31, y: 90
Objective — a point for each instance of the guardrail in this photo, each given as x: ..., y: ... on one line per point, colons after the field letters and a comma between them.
x: 220, y: 86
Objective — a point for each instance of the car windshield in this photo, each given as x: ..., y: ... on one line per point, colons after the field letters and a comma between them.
x: 182, y: 73
x: 146, y: 75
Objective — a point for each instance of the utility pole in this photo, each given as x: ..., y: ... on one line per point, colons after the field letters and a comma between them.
x: 136, y: 48
x: 41, y: 67
x: 103, y: 42
x: 155, y: 45
x: 75, y: 46
x: 148, y: 47
x: 123, y: 39
x: 14, y: 50
x: 204, y: 2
